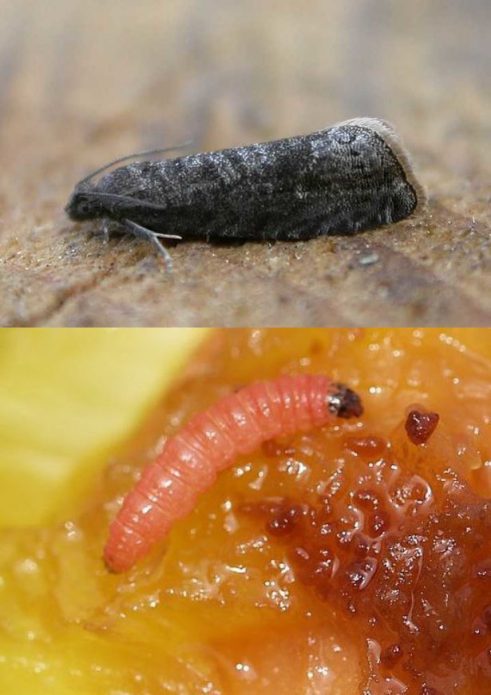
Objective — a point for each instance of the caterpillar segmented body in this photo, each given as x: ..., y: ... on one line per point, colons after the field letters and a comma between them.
x: 209, y: 443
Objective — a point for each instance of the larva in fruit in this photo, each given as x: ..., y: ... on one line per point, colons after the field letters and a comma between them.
x: 209, y: 443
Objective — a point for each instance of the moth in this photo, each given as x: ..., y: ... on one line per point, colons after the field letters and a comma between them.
x: 209, y: 443
x: 353, y: 176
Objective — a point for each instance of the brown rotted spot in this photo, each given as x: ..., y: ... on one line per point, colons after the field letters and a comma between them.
x: 420, y: 425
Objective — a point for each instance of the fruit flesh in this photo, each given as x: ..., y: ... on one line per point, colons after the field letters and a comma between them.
x: 225, y: 605
x: 405, y: 559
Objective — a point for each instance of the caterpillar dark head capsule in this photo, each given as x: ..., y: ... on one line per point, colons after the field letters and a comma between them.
x: 353, y: 176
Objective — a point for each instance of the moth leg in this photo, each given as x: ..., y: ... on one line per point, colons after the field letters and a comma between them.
x: 163, y: 235
x: 105, y: 231
x: 153, y: 237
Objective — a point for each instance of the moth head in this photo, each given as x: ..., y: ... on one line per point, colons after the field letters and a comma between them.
x: 85, y: 204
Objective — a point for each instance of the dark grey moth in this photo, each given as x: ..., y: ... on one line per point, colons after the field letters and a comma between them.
x: 350, y: 177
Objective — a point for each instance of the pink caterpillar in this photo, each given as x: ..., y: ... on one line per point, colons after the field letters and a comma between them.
x: 209, y: 443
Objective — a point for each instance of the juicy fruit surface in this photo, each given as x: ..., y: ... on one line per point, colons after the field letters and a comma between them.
x: 346, y: 560
x: 406, y: 558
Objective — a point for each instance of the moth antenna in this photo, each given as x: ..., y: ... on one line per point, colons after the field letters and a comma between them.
x: 160, y: 150
x: 144, y: 233
x: 123, y: 198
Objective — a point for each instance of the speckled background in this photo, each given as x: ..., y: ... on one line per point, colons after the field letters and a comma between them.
x: 82, y: 82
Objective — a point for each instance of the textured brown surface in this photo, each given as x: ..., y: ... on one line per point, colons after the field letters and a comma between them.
x: 83, y: 82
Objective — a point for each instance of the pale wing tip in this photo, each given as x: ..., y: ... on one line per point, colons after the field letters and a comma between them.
x: 390, y: 136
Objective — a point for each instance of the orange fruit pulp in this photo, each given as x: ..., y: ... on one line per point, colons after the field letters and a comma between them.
x: 346, y: 560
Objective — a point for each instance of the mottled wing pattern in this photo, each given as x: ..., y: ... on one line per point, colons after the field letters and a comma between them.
x: 342, y: 179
